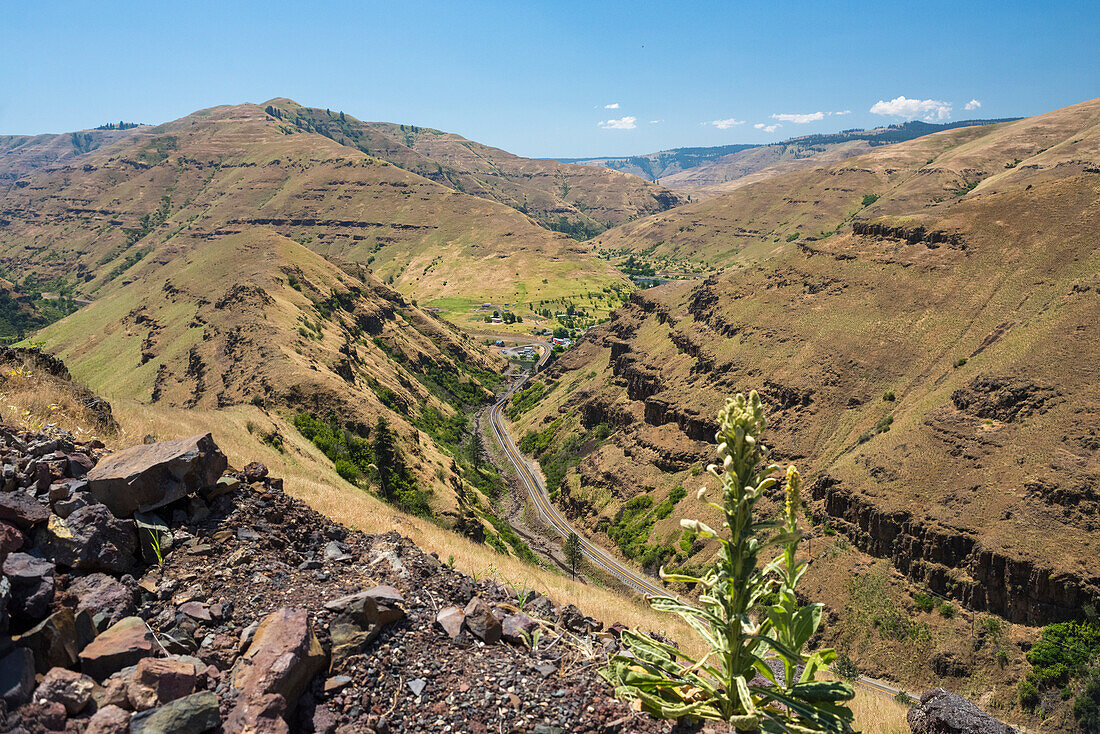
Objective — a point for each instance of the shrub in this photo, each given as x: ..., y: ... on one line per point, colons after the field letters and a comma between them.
x: 960, y: 361
x: 346, y: 470
x: 923, y: 602
x: 1086, y: 707
x: 1028, y: 694
x: 844, y: 667
x: 947, y: 609
x: 889, y: 396
x: 869, y: 199
x: 717, y: 686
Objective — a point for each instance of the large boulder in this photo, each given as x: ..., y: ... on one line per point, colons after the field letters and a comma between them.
x: 942, y: 712
x: 149, y: 476
x: 283, y: 658
x: 91, y: 538
x: 119, y: 646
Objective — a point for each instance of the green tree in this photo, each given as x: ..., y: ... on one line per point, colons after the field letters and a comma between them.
x: 385, y: 457
x: 747, y: 614
x: 573, y: 556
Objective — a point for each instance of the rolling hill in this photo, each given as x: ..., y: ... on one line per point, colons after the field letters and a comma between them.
x: 157, y: 191
x: 578, y: 200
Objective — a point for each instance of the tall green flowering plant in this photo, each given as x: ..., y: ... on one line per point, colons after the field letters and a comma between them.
x: 747, y: 613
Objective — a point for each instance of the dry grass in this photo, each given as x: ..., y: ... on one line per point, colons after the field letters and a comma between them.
x: 35, y: 401
x: 877, y: 713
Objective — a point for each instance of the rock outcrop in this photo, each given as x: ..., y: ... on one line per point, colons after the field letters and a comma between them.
x: 943, y: 712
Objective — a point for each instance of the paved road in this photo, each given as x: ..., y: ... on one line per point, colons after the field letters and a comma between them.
x: 549, y: 514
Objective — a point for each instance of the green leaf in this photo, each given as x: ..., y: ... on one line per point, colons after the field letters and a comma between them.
x: 823, y: 690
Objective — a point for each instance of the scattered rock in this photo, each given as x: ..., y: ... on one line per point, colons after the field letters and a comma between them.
x: 109, y: 719
x: 157, y: 681
x: 54, y: 641
x: 66, y: 687
x: 943, y: 712
x: 517, y: 628
x: 32, y: 585
x: 451, y: 620
x: 192, y: 714
x: 153, y: 475
x: 254, y: 472
x: 258, y: 715
x: 22, y: 510
x: 481, y: 622
x: 103, y: 596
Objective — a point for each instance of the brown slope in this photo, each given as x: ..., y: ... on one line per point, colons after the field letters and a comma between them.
x: 260, y: 318
x: 22, y: 155
x: 579, y: 200
x: 229, y: 169
x: 931, y: 174
x: 979, y: 479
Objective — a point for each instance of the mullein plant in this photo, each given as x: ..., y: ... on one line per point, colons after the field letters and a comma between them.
x: 747, y: 613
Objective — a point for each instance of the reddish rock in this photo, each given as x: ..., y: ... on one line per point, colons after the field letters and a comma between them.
x: 66, y: 687
x: 517, y: 628
x: 157, y: 681
x: 254, y: 472
x: 257, y: 715
x: 196, y: 610
x: 283, y: 657
x: 451, y: 619
x: 481, y: 622
x: 11, y: 540
x: 102, y: 594
x: 109, y: 719
x: 120, y: 645
x: 22, y: 510
x: 153, y: 475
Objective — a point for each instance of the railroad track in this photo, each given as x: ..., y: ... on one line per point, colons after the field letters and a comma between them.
x: 546, y: 510
x: 594, y: 553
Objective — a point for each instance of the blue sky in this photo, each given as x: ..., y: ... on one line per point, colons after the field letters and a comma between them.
x: 539, y: 78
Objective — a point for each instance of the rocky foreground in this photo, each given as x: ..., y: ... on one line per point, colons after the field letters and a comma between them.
x: 156, y: 590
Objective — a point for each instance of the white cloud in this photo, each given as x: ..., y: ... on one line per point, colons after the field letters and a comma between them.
x: 799, y: 119
x: 613, y: 106
x: 973, y: 105
x: 767, y: 128
x: 655, y: 122
x: 929, y: 110
x: 623, y: 123
x: 845, y: 112
x: 725, y: 124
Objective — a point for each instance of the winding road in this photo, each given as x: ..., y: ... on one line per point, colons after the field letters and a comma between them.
x: 549, y: 514
x: 532, y: 480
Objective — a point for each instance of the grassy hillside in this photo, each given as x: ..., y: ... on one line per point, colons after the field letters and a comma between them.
x: 580, y: 201
x: 933, y: 373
